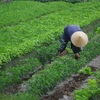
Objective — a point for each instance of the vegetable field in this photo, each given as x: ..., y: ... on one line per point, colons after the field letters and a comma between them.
x: 30, y: 35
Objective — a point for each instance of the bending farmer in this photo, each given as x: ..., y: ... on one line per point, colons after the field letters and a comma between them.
x: 76, y: 36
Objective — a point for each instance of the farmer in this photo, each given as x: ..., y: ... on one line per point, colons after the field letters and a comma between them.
x: 76, y: 36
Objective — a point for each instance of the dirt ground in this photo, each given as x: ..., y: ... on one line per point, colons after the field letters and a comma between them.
x: 64, y: 90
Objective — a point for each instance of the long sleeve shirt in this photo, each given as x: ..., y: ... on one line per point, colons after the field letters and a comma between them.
x: 68, y: 31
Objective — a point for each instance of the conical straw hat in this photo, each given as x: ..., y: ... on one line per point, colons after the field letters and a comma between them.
x: 79, y: 39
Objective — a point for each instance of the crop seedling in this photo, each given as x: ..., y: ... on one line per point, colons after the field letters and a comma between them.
x: 85, y: 93
x: 86, y: 70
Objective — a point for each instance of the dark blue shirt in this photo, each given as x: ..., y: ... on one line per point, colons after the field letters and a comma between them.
x: 69, y: 30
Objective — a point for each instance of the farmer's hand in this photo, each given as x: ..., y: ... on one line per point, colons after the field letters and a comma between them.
x: 77, y: 56
x: 63, y: 53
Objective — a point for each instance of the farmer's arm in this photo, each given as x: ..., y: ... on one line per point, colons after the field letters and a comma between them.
x: 65, y: 39
x: 63, y: 46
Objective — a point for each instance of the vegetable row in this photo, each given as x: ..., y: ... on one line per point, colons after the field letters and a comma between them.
x: 20, y: 39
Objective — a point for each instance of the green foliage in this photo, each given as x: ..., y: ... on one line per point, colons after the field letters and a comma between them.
x: 47, y: 78
x: 19, y: 96
x: 91, y: 91
x: 98, y: 30
x: 14, y: 74
x: 22, y: 30
x: 47, y: 53
x: 97, y: 75
x: 96, y: 96
x: 59, y: 69
x: 93, y: 85
x: 86, y: 70
x: 87, y: 92
x: 70, y: 1
x: 81, y: 94
x: 93, y: 0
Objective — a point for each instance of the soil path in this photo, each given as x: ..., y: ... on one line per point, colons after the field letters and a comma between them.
x: 64, y: 90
